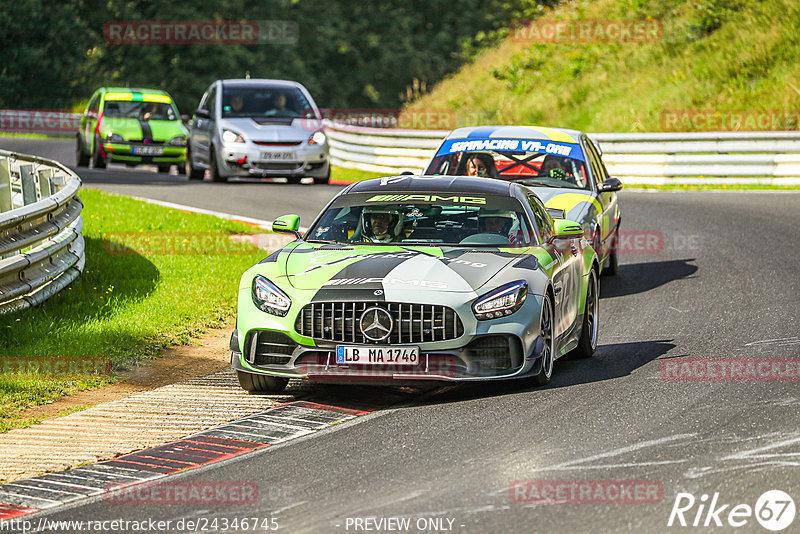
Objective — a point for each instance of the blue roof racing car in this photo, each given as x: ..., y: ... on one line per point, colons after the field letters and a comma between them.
x: 563, y: 167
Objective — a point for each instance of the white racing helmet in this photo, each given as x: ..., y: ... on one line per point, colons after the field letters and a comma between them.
x: 395, y: 227
x: 509, y: 216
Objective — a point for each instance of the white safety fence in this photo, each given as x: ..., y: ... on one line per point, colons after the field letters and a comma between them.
x: 636, y: 158
x: 41, y: 246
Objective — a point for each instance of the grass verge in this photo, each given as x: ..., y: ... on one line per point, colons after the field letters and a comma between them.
x: 714, y: 187
x: 717, y: 65
x: 344, y: 175
x: 154, y: 277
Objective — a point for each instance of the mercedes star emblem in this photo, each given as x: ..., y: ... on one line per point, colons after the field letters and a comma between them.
x: 376, y: 324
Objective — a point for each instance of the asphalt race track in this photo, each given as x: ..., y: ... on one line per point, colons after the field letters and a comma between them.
x: 720, y: 278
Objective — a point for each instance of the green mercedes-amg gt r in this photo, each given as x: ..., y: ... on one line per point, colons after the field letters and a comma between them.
x: 410, y: 278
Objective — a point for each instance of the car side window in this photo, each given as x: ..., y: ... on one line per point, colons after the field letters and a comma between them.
x: 208, y: 101
x: 94, y: 105
x: 542, y: 220
x: 601, y: 173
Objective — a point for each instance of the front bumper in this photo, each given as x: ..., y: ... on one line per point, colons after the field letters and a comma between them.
x: 497, y: 349
x: 250, y: 159
x: 126, y: 153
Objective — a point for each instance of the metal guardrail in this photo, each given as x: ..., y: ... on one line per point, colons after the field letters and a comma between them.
x: 636, y: 158
x: 41, y: 246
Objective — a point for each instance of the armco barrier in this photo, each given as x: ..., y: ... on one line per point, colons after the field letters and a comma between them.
x: 41, y: 246
x: 636, y: 158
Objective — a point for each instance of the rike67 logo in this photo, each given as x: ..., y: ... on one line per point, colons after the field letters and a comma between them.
x: 774, y: 510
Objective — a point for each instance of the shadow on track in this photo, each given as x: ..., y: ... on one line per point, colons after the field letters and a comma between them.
x: 634, y: 278
x: 611, y: 361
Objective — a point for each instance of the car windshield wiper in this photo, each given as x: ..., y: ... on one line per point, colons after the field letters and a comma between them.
x: 326, y: 242
x: 534, y: 182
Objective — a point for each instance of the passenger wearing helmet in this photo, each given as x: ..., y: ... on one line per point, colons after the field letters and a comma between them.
x: 382, y: 224
x: 495, y: 221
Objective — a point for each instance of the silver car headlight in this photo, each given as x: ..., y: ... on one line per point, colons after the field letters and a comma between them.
x: 268, y: 298
x: 317, y: 138
x: 503, y: 301
x: 229, y: 136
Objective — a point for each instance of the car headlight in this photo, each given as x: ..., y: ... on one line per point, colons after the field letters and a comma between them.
x: 114, y: 138
x: 503, y: 301
x: 317, y: 138
x: 179, y: 140
x: 229, y: 136
x: 268, y: 298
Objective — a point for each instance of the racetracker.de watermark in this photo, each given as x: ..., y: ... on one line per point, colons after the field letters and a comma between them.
x: 183, y: 494
x: 64, y: 366
x: 744, y: 120
x: 587, y: 31
x: 160, y: 32
x: 177, y: 243
x: 586, y: 492
x: 43, y: 121
x: 695, y: 369
x: 409, y: 119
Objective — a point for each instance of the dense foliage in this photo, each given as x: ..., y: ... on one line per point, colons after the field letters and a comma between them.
x: 349, y: 54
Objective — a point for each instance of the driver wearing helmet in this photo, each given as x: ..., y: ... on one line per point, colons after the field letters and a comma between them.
x: 495, y: 221
x: 382, y: 224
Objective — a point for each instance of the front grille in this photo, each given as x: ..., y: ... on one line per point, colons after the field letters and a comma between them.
x: 277, y: 166
x: 277, y: 143
x: 265, y: 347
x: 413, y: 323
x: 490, y: 353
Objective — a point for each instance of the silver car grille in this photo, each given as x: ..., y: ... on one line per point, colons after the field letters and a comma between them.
x: 413, y: 323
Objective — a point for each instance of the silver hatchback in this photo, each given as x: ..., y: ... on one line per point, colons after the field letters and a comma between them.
x: 257, y: 128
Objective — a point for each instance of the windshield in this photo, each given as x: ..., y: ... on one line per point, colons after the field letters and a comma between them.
x: 146, y: 111
x: 455, y: 219
x: 539, y: 163
x: 265, y: 101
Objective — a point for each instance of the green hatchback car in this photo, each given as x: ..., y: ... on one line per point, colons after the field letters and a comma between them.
x: 131, y: 126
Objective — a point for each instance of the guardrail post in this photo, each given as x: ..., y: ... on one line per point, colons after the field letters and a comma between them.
x: 45, y: 183
x: 28, y: 180
x: 5, y: 186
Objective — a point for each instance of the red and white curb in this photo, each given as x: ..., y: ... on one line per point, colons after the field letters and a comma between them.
x: 243, y: 436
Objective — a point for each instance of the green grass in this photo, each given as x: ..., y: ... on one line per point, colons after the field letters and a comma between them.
x: 353, y: 175
x: 132, y: 300
x: 723, y: 187
x: 715, y: 55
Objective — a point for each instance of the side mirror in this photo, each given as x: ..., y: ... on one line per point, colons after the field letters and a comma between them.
x: 566, y: 229
x: 202, y: 113
x: 287, y: 224
x: 610, y: 185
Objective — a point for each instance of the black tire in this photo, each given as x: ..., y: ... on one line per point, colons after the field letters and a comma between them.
x: 213, y: 170
x: 97, y: 161
x: 294, y: 179
x: 192, y: 172
x: 548, y: 352
x: 613, y: 261
x: 164, y: 167
x: 325, y: 179
x: 588, y: 340
x: 81, y: 158
x: 261, y: 383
